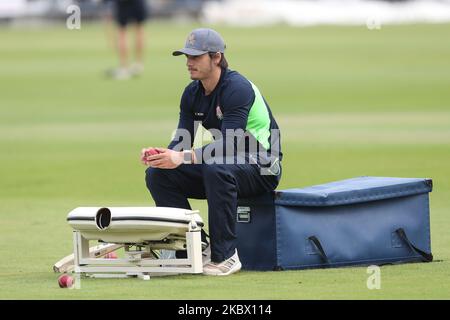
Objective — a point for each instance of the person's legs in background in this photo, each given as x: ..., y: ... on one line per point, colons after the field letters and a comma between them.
x: 126, y: 12
x: 122, y: 46
x: 138, y: 66
x: 140, y: 15
x: 122, y: 18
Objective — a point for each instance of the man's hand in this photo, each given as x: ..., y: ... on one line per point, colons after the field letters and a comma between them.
x: 161, y: 158
x: 145, y: 153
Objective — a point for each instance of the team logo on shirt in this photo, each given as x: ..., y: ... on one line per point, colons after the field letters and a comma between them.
x: 219, y: 113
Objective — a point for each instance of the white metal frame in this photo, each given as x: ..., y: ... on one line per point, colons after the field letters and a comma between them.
x: 136, y: 265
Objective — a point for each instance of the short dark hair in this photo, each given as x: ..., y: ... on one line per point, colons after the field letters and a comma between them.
x: 223, y: 61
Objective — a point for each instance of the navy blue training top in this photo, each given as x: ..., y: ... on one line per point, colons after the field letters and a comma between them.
x: 235, y: 103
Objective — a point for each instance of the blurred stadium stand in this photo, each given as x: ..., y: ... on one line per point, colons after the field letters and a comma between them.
x: 246, y: 12
x: 92, y: 9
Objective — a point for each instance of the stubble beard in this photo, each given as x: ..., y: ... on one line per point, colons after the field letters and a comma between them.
x: 209, y: 72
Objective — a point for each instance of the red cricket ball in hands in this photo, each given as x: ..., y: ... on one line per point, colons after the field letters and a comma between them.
x: 151, y: 152
x: 147, y: 153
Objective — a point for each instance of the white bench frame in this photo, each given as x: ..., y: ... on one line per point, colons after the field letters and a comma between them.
x: 134, y: 264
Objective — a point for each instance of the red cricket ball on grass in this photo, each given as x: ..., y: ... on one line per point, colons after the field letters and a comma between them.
x: 65, y: 281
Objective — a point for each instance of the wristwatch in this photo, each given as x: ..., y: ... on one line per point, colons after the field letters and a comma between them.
x: 187, y: 157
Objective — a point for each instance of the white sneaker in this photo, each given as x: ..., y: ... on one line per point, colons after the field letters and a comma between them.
x: 120, y: 73
x: 224, y: 268
x: 136, y: 69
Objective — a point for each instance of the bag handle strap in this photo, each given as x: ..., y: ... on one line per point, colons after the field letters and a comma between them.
x: 319, y: 247
x: 427, y: 257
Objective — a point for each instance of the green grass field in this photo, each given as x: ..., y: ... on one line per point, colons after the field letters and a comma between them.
x: 349, y: 102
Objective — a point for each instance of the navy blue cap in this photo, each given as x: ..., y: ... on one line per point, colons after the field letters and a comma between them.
x: 201, y: 41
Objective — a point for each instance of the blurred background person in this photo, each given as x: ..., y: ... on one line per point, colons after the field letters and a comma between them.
x: 125, y: 14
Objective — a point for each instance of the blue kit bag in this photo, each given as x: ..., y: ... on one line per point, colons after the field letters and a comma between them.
x: 359, y: 221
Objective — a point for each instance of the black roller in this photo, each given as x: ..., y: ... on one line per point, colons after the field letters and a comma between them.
x: 103, y: 218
